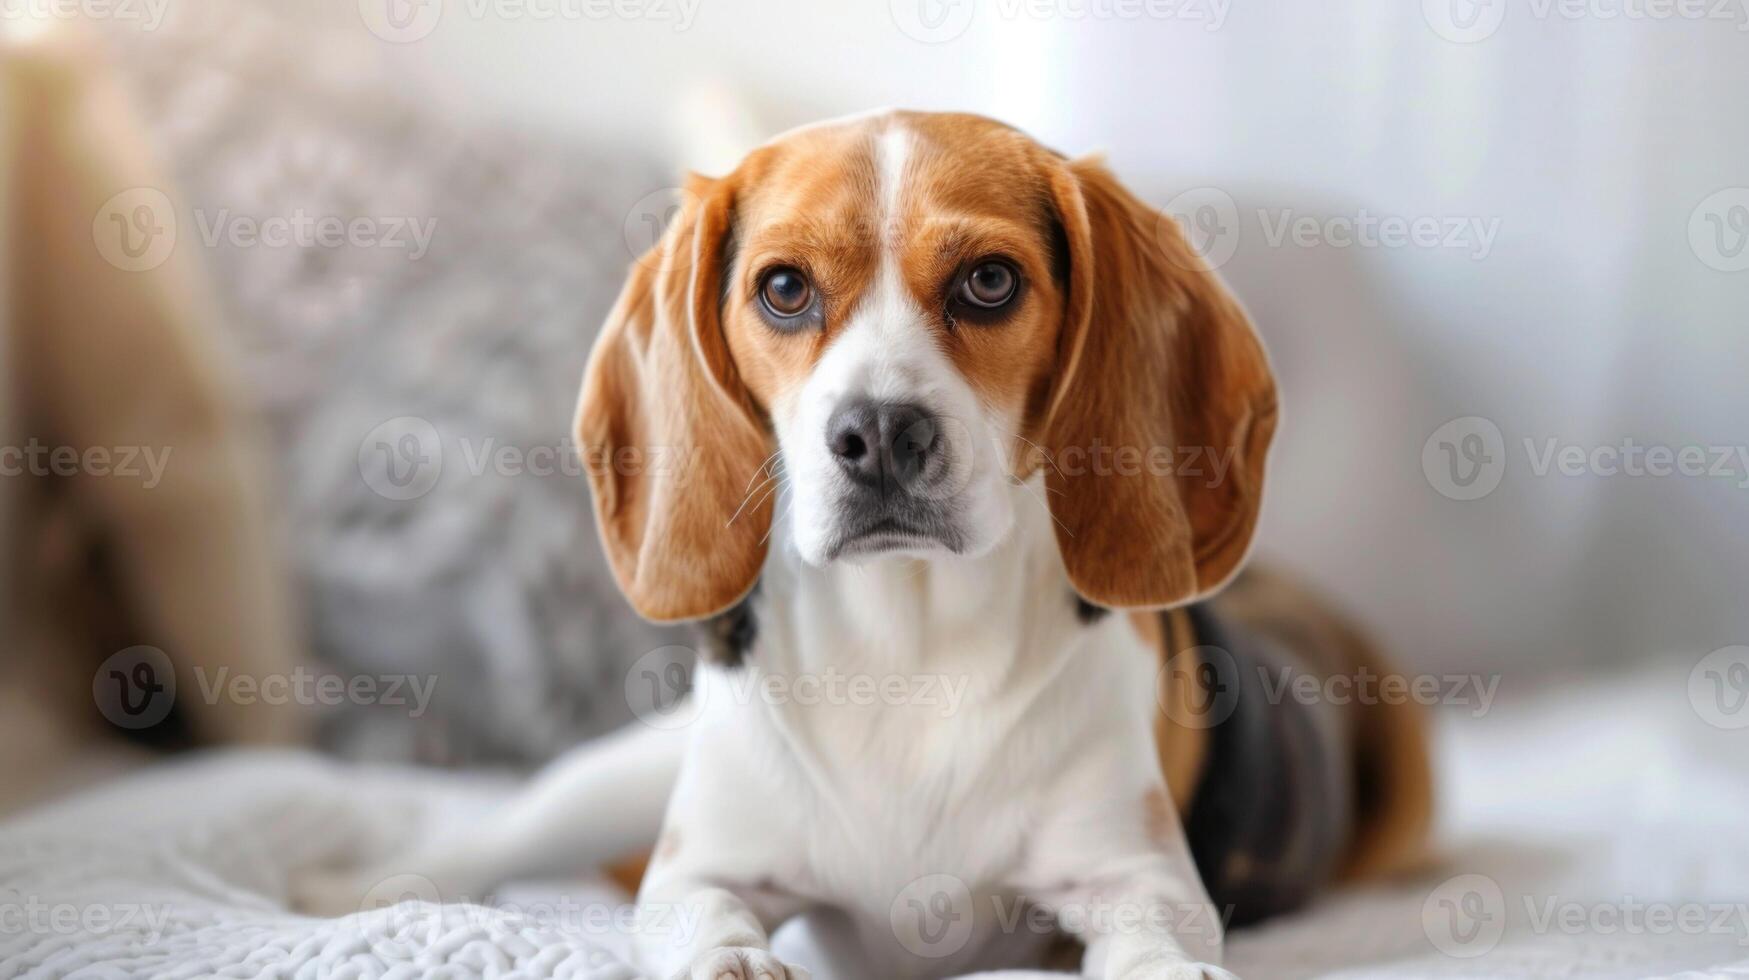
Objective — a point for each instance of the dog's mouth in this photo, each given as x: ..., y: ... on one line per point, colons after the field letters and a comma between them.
x: 893, y: 535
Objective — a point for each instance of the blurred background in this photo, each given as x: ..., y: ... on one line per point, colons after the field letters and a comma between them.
x: 343, y: 261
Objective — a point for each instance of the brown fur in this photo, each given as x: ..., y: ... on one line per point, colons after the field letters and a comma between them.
x: 670, y: 436
x: 1140, y: 349
x: 628, y: 873
x: 1154, y: 353
x: 1183, y: 748
x: 813, y: 202
x: 1389, y: 742
x: 1123, y: 339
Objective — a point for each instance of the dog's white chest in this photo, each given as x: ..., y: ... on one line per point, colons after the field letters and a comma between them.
x: 912, y: 723
x: 917, y: 746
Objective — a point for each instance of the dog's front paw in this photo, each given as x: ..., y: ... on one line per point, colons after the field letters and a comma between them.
x: 329, y: 894
x: 740, y: 963
x: 1181, y: 971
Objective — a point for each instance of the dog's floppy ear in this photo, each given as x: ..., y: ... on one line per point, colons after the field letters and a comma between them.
x: 1162, y: 410
x: 669, y: 435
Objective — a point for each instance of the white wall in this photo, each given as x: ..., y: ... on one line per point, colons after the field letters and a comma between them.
x: 1589, y: 139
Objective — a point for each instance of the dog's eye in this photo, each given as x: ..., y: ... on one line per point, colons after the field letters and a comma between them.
x: 989, y: 286
x: 786, y: 293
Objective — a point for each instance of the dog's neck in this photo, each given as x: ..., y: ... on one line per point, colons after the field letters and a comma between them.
x: 913, y: 614
x: 914, y: 676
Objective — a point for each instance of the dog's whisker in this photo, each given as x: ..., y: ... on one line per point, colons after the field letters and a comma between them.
x: 1022, y: 484
x: 762, y: 469
x: 748, y: 499
x: 1042, y: 451
x: 791, y: 505
x: 776, y: 484
x: 1047, y: 509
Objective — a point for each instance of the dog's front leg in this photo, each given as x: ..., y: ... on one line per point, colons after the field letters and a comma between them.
x: 691, y: 930
x: 1121, y: 879
x: 1140, y: 921
x: 1142, y: 925
x: 726, y: 868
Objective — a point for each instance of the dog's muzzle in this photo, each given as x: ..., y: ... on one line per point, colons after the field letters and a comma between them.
x: 896, y: 461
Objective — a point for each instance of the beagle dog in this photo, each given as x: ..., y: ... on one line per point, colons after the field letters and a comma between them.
x: 952, y: 412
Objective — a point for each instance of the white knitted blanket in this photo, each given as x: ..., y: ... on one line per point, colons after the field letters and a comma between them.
x: 1594, y: 831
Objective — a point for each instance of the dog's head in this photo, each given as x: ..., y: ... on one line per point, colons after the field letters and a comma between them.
x: 900, y: 316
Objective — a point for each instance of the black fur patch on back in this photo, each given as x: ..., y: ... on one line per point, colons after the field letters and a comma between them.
x: 1270, y: 819
x: 729, y: 635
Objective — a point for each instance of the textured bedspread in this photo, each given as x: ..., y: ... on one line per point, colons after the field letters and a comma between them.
x: 1594, y: 831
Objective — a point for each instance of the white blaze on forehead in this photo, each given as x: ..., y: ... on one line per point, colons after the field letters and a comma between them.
x: 885, y: 349
x: 888, y: 350
x: 849, y: 119
x: 893, y: 153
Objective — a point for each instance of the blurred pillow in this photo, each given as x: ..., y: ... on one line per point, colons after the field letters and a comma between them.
x: 414, y: 304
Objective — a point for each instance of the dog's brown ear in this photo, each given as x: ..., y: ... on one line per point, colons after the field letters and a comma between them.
x: 671, y: 440
x: 1162, y: 411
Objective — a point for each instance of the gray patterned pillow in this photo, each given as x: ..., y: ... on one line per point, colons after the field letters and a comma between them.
x: 417, y: 379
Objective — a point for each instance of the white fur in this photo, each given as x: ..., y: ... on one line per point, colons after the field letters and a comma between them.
x: 1024, y: 773
x: 887, y: 351
x: 847, y: 119
x: 1033, y: 787
x: 1028, y: 782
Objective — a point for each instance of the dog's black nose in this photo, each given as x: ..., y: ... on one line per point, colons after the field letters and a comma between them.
x: 880, y: 444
